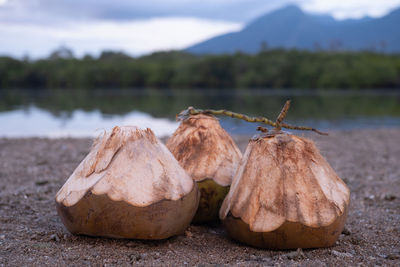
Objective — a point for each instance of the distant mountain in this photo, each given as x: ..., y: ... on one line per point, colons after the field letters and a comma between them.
x: 290, y: 27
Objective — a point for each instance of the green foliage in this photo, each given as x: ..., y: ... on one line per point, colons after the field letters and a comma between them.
x: 267, y: 69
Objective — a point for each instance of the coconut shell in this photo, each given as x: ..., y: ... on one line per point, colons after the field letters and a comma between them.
x: 207, y: 152
x: 128, y: 186
x: 285, y: 195
x: 212, y: 195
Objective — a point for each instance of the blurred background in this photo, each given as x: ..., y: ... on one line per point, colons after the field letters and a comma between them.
x: 74, y: 68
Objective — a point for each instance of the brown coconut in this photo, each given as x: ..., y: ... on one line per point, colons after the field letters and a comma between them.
x: 128, y: 186
x: 285, y: 195
x: 210, y: 156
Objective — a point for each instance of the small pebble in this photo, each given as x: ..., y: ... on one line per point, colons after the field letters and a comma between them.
x: 393, y: 256
x: 211, y: 231
x: 369, y: 197
x: 135, y: 257
x: 298, y: 254
x: 41, y: 162
x: 188, y: 234
x: 131, y: 244
x: 341, y: 254
x: 389, y: 197
x: 55, y: 237
x: 40, y: 183
x: 346, y: 231
x: 390, y: 229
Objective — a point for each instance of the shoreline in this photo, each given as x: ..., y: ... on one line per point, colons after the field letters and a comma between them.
x: 236, y: 136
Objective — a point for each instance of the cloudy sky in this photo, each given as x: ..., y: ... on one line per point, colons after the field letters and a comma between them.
x: 36, y: 27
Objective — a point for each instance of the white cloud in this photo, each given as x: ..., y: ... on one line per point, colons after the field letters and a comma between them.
x: 134, y: 37
x: 57, y: 11
x: 343, y: 9
x: 36, y: 27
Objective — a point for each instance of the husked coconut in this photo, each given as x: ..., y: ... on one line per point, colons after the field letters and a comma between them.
x: 285, y: 195
x: 128, y: 186
x: 210, y: 156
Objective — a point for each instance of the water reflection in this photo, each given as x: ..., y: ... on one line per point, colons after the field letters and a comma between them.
x: 41, y: 123
x: 79, y: 112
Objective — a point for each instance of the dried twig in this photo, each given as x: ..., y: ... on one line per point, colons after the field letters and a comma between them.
x: 278, y: 124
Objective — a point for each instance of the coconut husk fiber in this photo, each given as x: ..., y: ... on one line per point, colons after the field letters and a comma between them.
x: 210, y: 156
x: 128, y: 186
x: 285, y: 195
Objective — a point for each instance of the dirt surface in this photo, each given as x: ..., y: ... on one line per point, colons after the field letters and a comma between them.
x: 31, y: 233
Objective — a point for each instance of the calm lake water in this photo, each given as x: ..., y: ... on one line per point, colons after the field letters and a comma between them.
x: 80, y: 113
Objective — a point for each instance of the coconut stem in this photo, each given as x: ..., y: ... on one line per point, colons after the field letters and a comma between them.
x: 278, y: 124
x: 282, y: 115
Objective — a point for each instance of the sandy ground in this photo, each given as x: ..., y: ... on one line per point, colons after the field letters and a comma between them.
x: 31, y: 233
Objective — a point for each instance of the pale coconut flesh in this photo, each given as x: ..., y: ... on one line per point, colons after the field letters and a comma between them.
x: 210, y: 156
x: 285, y: 195
x: 128, y: 186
